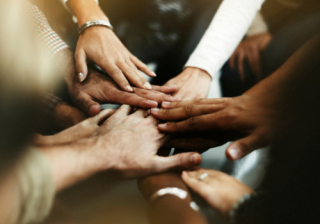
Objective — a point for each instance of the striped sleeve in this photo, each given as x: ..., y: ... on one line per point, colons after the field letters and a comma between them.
x: 49, y: 38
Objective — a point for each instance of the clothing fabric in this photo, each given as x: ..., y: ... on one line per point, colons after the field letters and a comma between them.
x: 48, y: 37
x: 225, y: 32
x: 35, y: 189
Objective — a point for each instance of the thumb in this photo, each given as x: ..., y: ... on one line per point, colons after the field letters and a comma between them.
x: 81, y: 65
x: 242, y: 147
x: 179, y: 161
x: 90, y: 107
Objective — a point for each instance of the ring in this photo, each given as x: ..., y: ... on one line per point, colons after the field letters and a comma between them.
x: 202, y: 176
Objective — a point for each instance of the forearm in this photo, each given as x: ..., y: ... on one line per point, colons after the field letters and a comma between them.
x: 75, y: 162
x: 86, y: 10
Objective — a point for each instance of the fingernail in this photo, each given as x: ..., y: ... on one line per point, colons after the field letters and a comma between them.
x: 149, y: 112
x: 234, y: 153
x: 154, y: 103
x: 154, y: 74
x: 165, y: 103
x: 194, y: 159
x: 155, y: 110
x: 162, y: 125
x: 184, y: 173
x: 81, y: 77
x: 147, y: 85
x: 129, y: 88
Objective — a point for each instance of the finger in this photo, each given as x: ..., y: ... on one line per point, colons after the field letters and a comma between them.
x: 132, y: 76
x: 81, y: 65
x: 143, y: 67
x: 185, y: 112
x: 191, y: 182
x: 198, y: 144
x: 124, y: 110
x: 176, y: 162
x: 199, y: 123
x: 171, y: 105
x: 103, y: 115
x: 241, y: 58
x: 133, y: 100
x: 165, y: 89
x: 155, y: 95
x: 116, y: 74
x: 140, y: 113
x: 242, y: 147
x: 88, y: 105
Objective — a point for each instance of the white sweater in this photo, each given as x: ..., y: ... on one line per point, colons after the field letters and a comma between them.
x: 225, y: 32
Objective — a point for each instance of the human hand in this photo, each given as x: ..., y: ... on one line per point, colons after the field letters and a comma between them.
x: 82, y: 130
x: 252, y: 117
x: 99, y: 88
x: 133, y: 141
x: 250, y: 48
x: 220, y: 190
x: 192, y: 83
x: 102, y: 46
x: 66, y: 116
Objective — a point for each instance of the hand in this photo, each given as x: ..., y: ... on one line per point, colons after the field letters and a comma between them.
x: 134, y: 141
x: 251, y: 116
x: 250, y: 48
x: 82, y: 130
x: 102, y: 46
x: 99, y: 88
x: 192, y: 83
x: 66, y: 116
x: 220, y: 190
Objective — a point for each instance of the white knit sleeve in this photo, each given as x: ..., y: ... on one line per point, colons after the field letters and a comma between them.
x: 258, y: 26
x: 225, y: 32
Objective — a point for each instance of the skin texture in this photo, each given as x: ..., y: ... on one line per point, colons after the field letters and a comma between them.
x: 125, y: 144
x: 99, y: 88
x: 66, y: 116
x: 192, y: 83
x: 256, y: 114
x: 250, y: 49
x: 82, y: 130
x: 168, y: 209
x: 252, y: 116
x: 101, y: 45
x: 220, y: 190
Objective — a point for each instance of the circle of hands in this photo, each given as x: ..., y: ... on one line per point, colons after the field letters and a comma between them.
x: 185, y: 120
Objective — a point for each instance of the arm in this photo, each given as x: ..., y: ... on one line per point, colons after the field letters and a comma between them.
x: 168, y: 208
x: 256, y: 114
x: 125, y: 144
x: 102, y: 46
x: 225, y: 32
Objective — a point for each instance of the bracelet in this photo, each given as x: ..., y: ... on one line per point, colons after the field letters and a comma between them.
x: 169, y: 190
x: 94, y: 23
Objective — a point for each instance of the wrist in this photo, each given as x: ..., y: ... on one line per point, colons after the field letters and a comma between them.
x: 198, y: 72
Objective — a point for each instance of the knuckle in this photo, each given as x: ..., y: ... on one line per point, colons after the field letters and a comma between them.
x: 193, y: 121
x: 199, y: 101
x: 189, y: 110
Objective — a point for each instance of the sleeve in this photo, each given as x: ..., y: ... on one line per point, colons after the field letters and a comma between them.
x: 49, y: 38
x: 75, y: 20
x: 225, y: 32
x: 35, y: 188
x: 258, y: 26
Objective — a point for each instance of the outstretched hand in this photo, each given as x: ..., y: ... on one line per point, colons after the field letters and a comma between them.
x: 220, y: 190
x: 252, y: 117
x: 100, y: 89
x: 133, y: 141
